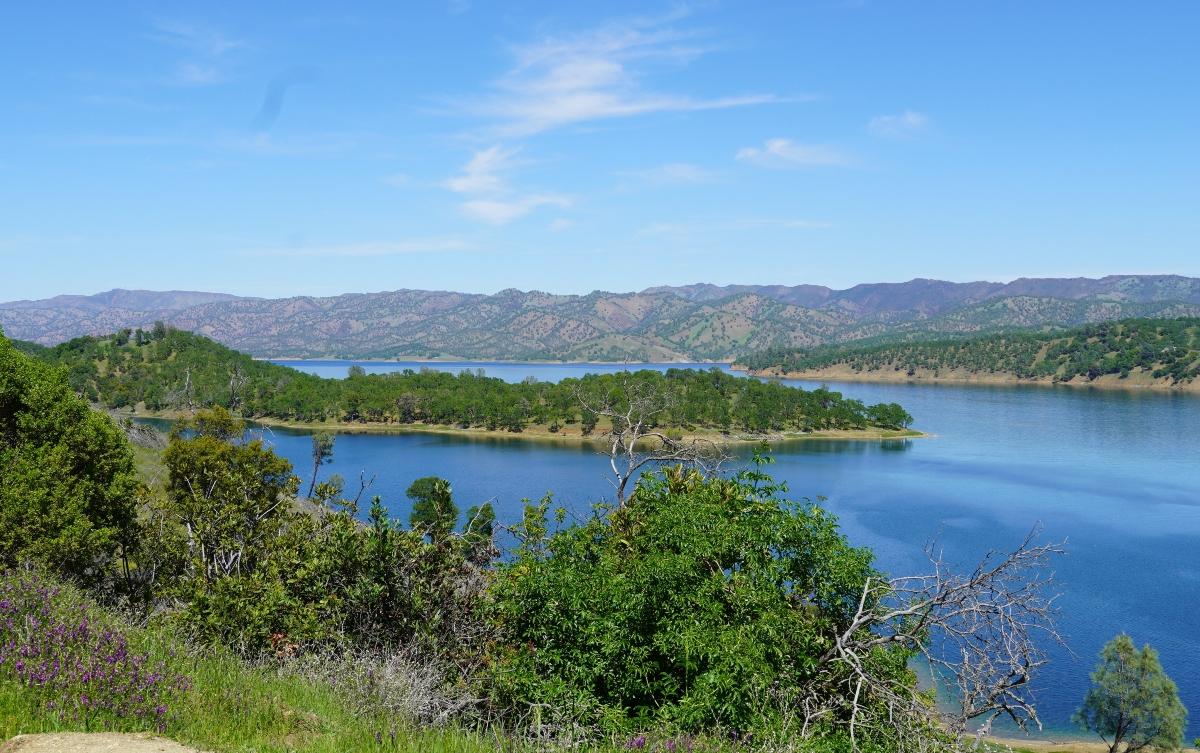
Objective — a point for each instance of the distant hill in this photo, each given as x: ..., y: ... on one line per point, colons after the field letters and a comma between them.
x: 693, y: 322
x: 1131, y: 352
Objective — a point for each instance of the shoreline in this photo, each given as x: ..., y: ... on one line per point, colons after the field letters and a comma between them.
x: 1108, y: 382
x: 1045, y: 745
x: 570, y: 435
x: 484, y: 362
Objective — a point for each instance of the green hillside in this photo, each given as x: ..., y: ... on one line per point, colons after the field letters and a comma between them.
x: 1161, y: 349
x: 171, y: 370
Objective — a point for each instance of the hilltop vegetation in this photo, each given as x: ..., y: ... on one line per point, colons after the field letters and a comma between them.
x: 695, y: 322
x: 165, y: 369
x: 1164, y: 350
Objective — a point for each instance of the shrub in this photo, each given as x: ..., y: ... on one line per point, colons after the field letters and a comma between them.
x: 68, y: 482
x: 700, y: 605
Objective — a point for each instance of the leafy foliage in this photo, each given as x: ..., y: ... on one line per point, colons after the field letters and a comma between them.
x: 68, y: 481
x: 1132, y: 702
x: 700, y: 604
x: 1161, y: 348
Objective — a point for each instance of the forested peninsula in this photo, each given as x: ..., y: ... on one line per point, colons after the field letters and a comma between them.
x: 1159, y: 354
x: 168, y: 372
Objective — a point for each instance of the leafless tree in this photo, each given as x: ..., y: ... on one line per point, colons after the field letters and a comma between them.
x: 634, y: 438
x: 982, y: 634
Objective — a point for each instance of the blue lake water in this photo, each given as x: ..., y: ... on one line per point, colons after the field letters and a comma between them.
x: 1115, y: 474
x: 509, y: 371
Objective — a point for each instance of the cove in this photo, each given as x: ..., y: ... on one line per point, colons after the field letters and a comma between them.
x: 1115, y: 474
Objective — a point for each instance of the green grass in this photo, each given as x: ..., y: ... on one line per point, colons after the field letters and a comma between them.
x: 233, y: 707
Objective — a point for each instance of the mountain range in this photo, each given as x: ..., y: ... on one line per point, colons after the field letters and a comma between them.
x: 692, y: 322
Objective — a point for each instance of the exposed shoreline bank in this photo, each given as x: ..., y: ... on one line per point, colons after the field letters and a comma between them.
x: 569, y: 435
x: 1133, y: 383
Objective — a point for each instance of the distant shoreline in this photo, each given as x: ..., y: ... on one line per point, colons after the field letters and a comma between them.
x: 1133, y: 383
x: 568, y: 435
x: 417, y: 359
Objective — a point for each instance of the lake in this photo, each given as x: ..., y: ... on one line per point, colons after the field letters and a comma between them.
x: 1115, y: 474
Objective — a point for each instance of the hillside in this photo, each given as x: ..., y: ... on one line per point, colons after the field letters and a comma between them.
x: 1161, y: 353
x: 167, y: 370
x: 696, y: 322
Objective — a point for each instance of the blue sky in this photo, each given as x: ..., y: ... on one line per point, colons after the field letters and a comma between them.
x: 290, y: 148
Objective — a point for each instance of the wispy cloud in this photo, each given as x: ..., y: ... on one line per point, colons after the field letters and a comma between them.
x: 201, y: 40
x: 481, y: 173
x: 905, y: 125
x: 504, y: 211
x: 785, y: 153
x: 495, y: 201
x: 206, y: 47
x: 674, y: 173
x: 597, y: 74
x: 381, y: 248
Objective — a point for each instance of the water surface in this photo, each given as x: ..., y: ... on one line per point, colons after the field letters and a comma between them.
x: 1115, y: 474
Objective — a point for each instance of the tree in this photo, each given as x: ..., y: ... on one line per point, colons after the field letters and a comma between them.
x: 634, y: 408
x: 322, y: 452
x: 434, y: 512
x: 67, y: 480
x: 231, y: 498
x: 1132, y: 701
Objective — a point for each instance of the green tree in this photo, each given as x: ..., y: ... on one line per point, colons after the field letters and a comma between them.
x: 1132, y: 701
x: 322, y: 452
x: 434, y: 512
x: 67, y: 480
x: 230, y: 497
x: 700, y: 604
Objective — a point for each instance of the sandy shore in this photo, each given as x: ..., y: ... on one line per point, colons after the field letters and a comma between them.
x: 1054, y: 746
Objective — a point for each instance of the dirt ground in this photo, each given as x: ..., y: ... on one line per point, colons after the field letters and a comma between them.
x: 92, y: 742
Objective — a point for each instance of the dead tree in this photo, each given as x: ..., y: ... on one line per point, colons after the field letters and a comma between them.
x: 982, y: 635
x: 634, y: 439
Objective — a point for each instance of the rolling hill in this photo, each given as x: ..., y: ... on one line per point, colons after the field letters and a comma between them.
x: 694, y: 322
x: 1161, y: 353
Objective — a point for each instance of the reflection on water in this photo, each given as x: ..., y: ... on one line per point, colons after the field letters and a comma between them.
x: 1113, y: 473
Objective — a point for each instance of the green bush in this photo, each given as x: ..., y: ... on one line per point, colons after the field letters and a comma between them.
x: 68, y: 482
x: 700, y: 605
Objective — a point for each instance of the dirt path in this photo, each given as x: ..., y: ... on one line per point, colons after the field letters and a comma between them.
x: 92, y: 742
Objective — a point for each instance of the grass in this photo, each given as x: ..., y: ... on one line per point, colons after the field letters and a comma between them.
x: 233, y: 707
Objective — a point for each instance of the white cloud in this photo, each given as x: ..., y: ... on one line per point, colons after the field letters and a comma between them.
x: 198, y: 39
x: 208, y: 47
x: 594, y: 75
x: 785, y: 153
x: 496, y: 203
x: 479, y: 175
x: 904, y: 125
x: 194, y: 74
x: 674, y: 173
x: 560, y: 224
x: 504, y: 211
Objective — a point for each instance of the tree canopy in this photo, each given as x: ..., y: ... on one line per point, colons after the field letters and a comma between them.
x: 185, y: 371
x: 67, y: 486
x: 1132, y: 704
x: 1166, y: 349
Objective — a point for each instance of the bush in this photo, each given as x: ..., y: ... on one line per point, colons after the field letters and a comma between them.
x: 700, y: 605
x: 68, y: 482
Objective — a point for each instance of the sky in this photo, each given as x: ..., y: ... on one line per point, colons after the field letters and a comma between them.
x: 279, y: 149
